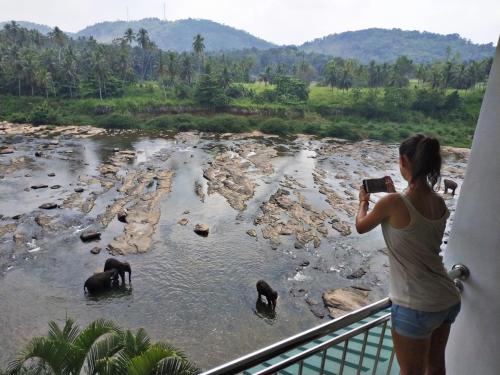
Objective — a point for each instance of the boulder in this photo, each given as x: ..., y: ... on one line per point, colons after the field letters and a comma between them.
x: 122, y: 216
x: 318, y: 311
x: 95, y: 250
x: 252, y: 232
x: 6, y: 150
x: 38, y: 154
x: 183, y: 221
x: 90, y: 235
x: 360, y: 272
x: 201, y: 229
x: 48, y: 206
x: 39, y: 186
x: 344, y: 300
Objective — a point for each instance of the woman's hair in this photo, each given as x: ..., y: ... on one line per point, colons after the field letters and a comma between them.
x: 424, y: 156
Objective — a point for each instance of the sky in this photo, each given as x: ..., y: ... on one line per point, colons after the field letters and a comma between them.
x: 278, y: 21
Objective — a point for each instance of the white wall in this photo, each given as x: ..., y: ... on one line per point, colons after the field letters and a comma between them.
x: 474, y: 346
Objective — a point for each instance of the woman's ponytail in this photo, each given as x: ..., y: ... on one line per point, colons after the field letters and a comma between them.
x: 425, y: 158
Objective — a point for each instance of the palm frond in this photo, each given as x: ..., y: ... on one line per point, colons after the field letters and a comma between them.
x: 100, y: 357
x: 175, y: 366
x: 161, y: 359
x: 87, y: 337
x: 51, y: 353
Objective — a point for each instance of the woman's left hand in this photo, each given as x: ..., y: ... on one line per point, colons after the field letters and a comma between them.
x: 363, y: 195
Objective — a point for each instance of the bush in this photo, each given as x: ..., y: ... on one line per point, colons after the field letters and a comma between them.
x: 275, y: 126
x: 342, y: 130
x: 118, y: 121
x: 224, y: 124
x: 239, y: 91
x: 290, y: 89
x: 182, y: 91
x: 18, y: 118
x: 43, y: 114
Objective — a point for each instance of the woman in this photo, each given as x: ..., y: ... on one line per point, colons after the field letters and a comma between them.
x: 425, y: 302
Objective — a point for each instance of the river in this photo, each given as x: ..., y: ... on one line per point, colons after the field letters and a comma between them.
x: 195, y: 292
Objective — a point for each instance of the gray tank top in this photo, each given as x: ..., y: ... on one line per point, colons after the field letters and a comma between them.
x: 418, y: 278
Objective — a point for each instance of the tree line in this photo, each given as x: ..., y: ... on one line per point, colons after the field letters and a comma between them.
x: 54, y: 65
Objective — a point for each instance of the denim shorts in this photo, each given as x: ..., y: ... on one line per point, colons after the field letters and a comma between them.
x: 418, y: 324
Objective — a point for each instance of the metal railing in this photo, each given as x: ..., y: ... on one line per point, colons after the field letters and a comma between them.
x: 253, y: 359
x: 457, y: 273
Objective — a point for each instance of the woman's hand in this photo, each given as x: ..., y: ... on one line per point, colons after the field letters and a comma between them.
x: 390, y: 184
x: 363, y: 195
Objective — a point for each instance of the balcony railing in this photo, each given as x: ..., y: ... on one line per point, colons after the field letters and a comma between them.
x: 359, y: 342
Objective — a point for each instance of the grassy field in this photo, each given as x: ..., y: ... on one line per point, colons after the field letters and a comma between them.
x: 352, y: 114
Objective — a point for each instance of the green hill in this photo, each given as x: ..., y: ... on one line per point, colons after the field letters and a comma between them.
x: 44, y: 29
x: 384, y: 45
x: 178, y: 35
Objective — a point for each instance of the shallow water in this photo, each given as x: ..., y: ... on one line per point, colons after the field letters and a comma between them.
x: 197, y: 293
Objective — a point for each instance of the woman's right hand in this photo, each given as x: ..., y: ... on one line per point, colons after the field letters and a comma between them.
x: 390, y: 184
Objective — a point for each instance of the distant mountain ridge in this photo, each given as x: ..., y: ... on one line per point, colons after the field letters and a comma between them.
x: 386, y: 45
x: 381, y: 45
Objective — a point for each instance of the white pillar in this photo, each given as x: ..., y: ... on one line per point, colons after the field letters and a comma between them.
x: 474, y: 346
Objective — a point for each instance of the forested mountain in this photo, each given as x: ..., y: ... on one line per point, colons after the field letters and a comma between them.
x: 384, y: 45
x: 168, y: 35
x: 44, y: 29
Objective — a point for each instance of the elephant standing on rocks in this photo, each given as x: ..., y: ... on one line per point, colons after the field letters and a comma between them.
x: 101, y: 281
x: 450, y: 184
x: 121, y: 267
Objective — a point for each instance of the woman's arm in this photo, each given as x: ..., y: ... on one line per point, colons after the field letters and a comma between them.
x: 366, y: 221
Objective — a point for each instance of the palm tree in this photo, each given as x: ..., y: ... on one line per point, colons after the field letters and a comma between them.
x: 100, y: 348
x: 186, y: 72
x: 128, y: 37
x: 171, y: 67
x: 59, y: 39
x: 199, y: 47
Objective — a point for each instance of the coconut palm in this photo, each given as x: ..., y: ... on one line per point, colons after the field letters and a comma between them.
x: 101, y: 348
x: 198, y: 48
x: 129, y: 36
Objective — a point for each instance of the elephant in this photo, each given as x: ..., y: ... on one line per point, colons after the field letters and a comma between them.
x: 121, y: 267
x: 271, y: 295
x: 449, y: 184
x: 101, y: 281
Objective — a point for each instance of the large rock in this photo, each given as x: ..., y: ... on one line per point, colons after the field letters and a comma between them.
x: 344, y: 300
x: 360, y: 272
x: 183, y: 221
x: 201, y: 229
x: 252, y: 232
x: 39, y: 186
x: 6, y: 150
x: 90, y: 235
x: 122, y: 216
x: 48, y: 206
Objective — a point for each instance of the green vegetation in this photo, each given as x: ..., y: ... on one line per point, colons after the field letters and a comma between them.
x: 100, y: 348
x: 133, y: 84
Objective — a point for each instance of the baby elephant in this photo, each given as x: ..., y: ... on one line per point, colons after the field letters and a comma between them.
x: 101, y: 281
x: 271, y: 295
x: 121, y: 267
x: 450, y: 184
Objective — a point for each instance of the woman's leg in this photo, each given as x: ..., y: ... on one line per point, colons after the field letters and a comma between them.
x: 412, y: 354
x: 439, y: 338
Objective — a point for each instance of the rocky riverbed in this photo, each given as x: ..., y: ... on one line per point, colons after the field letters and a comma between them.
x: 262, y: 208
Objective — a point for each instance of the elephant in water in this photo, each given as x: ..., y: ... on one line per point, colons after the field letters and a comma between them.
x: 121, y: 267
x: 101, y: 281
